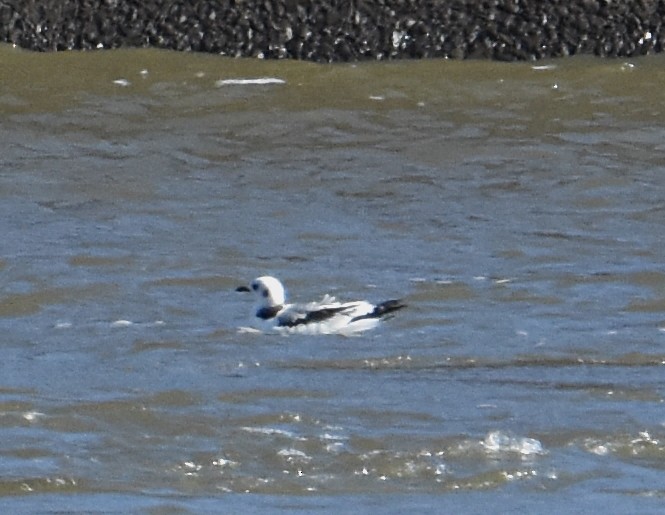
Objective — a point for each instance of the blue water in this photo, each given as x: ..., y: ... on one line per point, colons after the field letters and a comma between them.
x: 517, y: 211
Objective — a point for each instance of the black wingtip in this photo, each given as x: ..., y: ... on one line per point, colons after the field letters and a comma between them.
x: 243, y: 289
x: 387, y: 307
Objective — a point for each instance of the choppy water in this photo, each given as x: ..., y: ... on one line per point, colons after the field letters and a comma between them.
x: 518, y: 209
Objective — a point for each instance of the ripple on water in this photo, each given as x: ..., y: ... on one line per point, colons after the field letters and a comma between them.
x: 276, y: 460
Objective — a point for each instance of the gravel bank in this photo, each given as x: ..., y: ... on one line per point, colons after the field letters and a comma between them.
x: 343, y: 30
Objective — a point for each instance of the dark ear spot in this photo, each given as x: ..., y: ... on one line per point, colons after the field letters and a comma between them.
x: 265, y: 293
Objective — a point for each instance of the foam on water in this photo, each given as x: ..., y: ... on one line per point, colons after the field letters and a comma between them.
x: 497, y: 442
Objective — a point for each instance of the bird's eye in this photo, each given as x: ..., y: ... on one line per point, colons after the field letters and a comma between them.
x: 255, y: 286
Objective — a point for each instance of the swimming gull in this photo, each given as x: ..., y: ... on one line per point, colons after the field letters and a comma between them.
x: 327, y: 316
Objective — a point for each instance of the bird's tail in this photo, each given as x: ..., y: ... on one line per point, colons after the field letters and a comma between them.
x: 382, y: 309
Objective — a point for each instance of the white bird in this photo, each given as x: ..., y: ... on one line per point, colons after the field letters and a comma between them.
x: 327, y: 316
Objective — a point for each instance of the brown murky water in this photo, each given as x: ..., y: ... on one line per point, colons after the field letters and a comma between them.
x: 518, y: 209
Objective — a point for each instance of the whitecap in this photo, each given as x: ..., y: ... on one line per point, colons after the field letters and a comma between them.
x: 249, y: 82
x: 497, y: 441
x: 293, y: 455
x: 122, y: 323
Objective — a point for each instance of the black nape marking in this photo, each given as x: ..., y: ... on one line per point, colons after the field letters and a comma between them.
x: 313, y: 316
x: 382, y: 310
x: 268, y: 313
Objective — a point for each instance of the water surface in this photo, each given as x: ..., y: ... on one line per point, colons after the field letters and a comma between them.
x: 517, y: 209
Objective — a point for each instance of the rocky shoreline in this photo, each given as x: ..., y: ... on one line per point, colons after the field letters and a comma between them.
x: 343, y: 30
